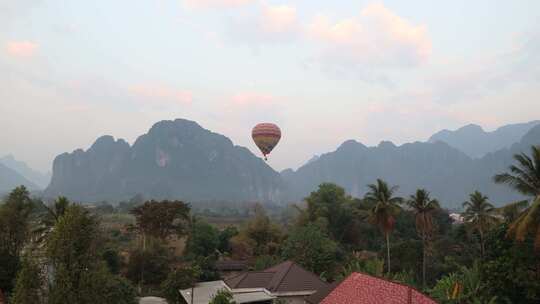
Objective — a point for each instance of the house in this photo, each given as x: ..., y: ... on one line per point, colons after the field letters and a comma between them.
x: 229, y: 268
x: 359, y: 288
x: 287, y: 281
x: 202, y: 293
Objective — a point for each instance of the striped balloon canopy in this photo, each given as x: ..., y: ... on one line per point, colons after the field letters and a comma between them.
x: 266, y: 136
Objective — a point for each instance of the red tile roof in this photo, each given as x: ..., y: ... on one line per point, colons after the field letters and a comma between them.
x: 284, y: 277
x: 361, y: 288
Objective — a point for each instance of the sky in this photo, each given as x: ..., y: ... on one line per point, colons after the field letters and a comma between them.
x: 324, y: 71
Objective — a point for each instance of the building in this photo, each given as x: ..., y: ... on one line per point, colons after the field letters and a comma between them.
x: 229, y: 268
x: 287, y: 281
x: 202, y: 293
x: 359, y: 288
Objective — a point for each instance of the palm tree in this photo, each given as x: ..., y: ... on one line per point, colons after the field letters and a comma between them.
x: 423, y: 206
x: 479, y: 215
x: 525, y: 178
x: 50, y: 218
x: 384, y: 211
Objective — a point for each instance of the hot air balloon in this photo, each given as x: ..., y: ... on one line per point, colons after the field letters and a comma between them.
x: 266, y: 136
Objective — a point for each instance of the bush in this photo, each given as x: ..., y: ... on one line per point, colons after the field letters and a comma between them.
x: 177, y: 280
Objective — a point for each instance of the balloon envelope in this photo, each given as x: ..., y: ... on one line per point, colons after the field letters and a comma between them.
x: 266, y: 136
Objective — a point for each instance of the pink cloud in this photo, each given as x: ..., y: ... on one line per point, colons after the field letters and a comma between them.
x: 277, y: 19
x: 377, y: 36
x: 161, y: 94
x: 216, y: 3
x: 251, y: 99
x: 21, y: 48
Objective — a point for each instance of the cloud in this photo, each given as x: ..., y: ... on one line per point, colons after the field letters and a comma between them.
x: 206, y: 4
x: 159, y: 94
x: 377, y: 37
x: 489, y: 74
x: 23, y: 49
x: 243, y: 99
x: 265, y: 25
x: 278, y: 19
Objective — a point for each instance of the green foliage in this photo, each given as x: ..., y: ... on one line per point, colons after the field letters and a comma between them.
x: 384, y: 211
x: 259, y: 236
x: 150, y: 265
x: 266, y: 261
x: 373, y: 266
x: 222, y: 297
x: 225, y: 236
x: 74, y: 241
x: 28, y: 286
x: 14, y: 232
x: 311, y: 248
x: 203, y: 240
x: 331, y: 209
x: 177, y: 280
x: 525, y: 178
x: 207, y: 266
x: 93, y: 285
x: 80, y: 276
x: 479, y: 216
x: 404, y: 277
x: 161, y: 219
x: 465, y: 286
x: 112, y: 259
x: 509, y: 268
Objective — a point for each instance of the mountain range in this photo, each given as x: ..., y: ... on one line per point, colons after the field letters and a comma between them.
x: 475, y: 142
x: 10, y: 179
x: 180, y: 159
x: 175, y: 159
x: 41, y: 180
x: 448, y: 173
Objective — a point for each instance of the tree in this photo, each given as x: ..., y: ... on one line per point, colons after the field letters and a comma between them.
x: 161, y: 219
x: 383, y: 213
x: 464, y: 286
x: 331, y: 208
x: 224, y: 239
x: 177, y: 280
x: 203, y: 240
x: 312, y: 249
x: 222, y: 297
x: 423, y: 207
x: 28, y: 286
x: 150, y: 265
x: 510, y: 269
x: 259, y: 236
x: 14, y: 232
x: 479, y: 216
x: 51, y: 216
x: 80, y: 276
x: 525, y: 178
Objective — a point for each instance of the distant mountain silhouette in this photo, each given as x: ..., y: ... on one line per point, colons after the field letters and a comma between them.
x: 36, y: 177
x: 475, y: 142
x: 175, y: 159
x: 9, y: 179
x: 180, y: 159
x: 445, y: 171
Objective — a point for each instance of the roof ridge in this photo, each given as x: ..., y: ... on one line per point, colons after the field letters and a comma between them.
x: 311, y: 274
x: 285, y: 274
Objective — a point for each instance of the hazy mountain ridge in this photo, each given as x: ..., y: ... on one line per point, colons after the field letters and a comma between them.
x: 10, y: 179
x: 180, y: 159
x: 36, y: 177
x: 445, y: 171
x: 475, y: 142
x: 175, y: 159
